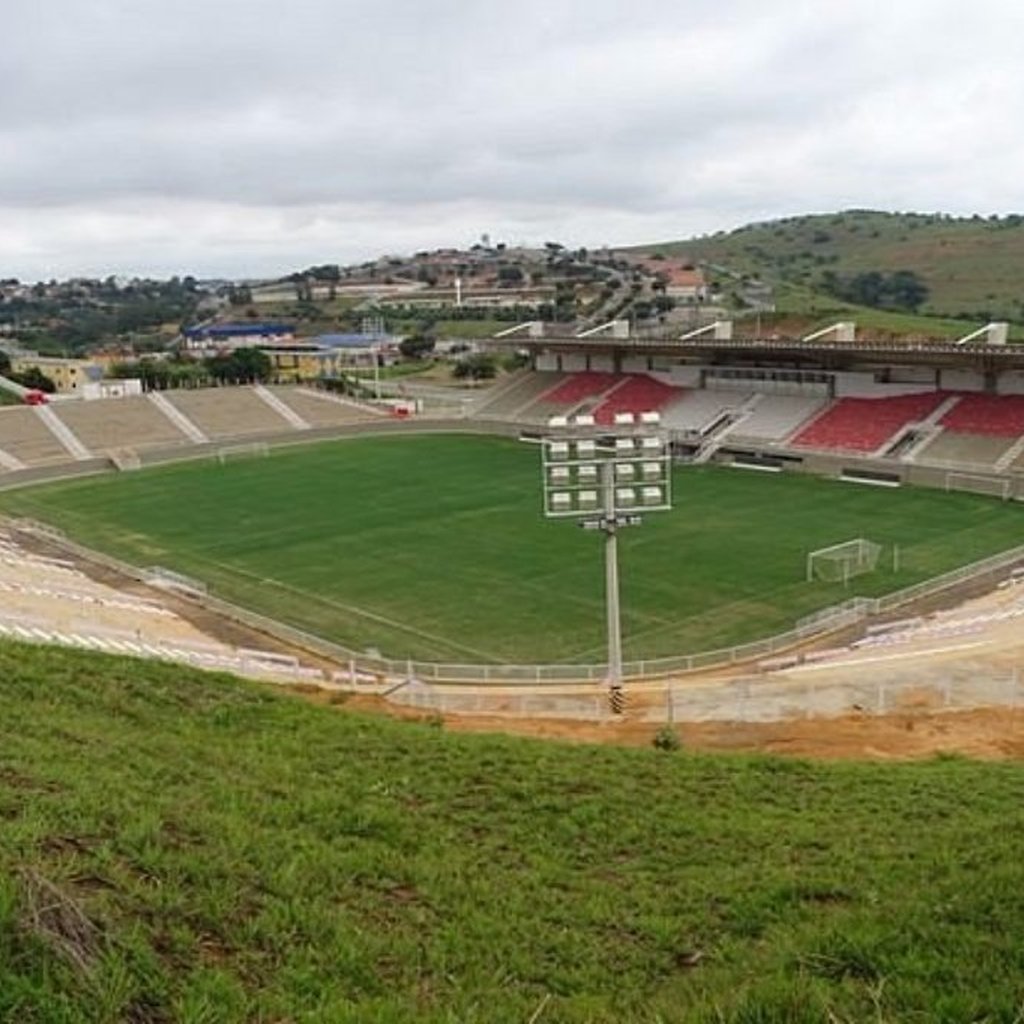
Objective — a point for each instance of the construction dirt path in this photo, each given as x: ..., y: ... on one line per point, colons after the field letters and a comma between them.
x: 986, y: 733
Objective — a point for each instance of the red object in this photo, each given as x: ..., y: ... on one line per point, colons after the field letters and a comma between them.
x: 864, y: 424
x: 580, y: 386
x: 35, y: 398
x: 994, y: 415
x: 639, y: 394
x: 400, y: 412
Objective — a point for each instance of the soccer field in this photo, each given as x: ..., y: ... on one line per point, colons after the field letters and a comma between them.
x: 433, y: 547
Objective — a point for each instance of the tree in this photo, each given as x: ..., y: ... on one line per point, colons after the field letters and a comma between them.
x: 417, y: 346
x: 479, y: 366
x: 249, y: 365
x: 35, y: 379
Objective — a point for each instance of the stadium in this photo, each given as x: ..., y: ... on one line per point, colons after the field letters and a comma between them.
x: 410, y: 554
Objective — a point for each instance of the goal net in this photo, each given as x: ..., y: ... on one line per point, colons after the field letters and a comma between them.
x: 252, y: 450
x: 979, y: 483
x: 841, y: 562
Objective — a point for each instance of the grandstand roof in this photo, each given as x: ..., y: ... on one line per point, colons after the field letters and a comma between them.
x: 792, y: 351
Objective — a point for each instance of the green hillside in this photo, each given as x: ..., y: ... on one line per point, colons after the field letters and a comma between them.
x: 972, y: 266
x: 178, y: 847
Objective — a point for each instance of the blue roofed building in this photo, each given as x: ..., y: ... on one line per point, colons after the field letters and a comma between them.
x: 245, y: 334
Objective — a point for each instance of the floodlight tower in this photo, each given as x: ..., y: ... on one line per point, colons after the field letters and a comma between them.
x: 604, y: 477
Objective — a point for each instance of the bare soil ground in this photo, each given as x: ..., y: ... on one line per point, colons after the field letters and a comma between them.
x: 987, y: 733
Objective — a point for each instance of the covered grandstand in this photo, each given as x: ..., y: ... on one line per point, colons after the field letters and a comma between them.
x: 869, y: 410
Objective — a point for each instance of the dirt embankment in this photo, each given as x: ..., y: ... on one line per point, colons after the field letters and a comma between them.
x: 987, y: 733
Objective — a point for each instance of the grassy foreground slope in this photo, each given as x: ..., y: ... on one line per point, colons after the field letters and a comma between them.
x: 435, y: 548
x: 180, y: 847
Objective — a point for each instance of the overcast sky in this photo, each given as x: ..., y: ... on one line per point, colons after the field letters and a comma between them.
x: 241, y: 139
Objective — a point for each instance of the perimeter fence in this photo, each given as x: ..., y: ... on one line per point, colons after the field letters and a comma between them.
x: 753, y: 699
x: 362, y: 667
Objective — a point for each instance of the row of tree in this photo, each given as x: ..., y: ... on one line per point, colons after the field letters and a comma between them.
x: 900, y: 290
x: 243, y: 366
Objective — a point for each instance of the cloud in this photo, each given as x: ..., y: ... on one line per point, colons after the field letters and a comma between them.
x: 236, y: 139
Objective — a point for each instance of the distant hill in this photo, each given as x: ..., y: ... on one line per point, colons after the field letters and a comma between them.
x: 970, y: 267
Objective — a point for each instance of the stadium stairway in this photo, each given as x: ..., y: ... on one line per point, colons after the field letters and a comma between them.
x: 283, y: 409
x: 63, y: 433
x: 177, y: 417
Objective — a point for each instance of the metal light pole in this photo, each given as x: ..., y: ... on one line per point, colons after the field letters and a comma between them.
x: 611, y: 580
x: 604, y: 477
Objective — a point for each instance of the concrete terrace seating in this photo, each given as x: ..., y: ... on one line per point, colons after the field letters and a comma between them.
x: 992, y: 415
x: 775, y: 417
x: 969, y: 449
x: 697, y: 410
x: 107, y: 423
x: 24, y: 435
x: 321, y: 412
x: 520, y: 396
x: 228, y: 412
x: 639, y: 394
x: 865, y: 424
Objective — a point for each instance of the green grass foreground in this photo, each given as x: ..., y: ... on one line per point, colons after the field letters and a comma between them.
x: 205, y: 850
x: 435, y: 548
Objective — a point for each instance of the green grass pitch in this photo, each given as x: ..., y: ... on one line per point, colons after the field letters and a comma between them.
x: 434, y: 547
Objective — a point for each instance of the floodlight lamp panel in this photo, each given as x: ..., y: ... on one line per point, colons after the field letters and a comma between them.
x: 650, y: 418
x: 625, y: 496
x: 652, y: 496
x: 588, y: 500
x: 558, y: 449
x: 624, y: 419
x: 625, y: 470
x: 587, y: 472
x: 586, y: 449
x: 584, y: 420
x: 558, y: 421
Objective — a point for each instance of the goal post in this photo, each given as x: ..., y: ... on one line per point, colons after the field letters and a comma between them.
x: 254, y: 449
x: 839, y: 563
x: 980, y: 483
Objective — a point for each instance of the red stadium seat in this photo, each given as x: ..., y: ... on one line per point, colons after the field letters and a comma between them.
x: 993, y: 415
x: 580, y: 386
x: 639, y: 394
x: 865, y: 424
